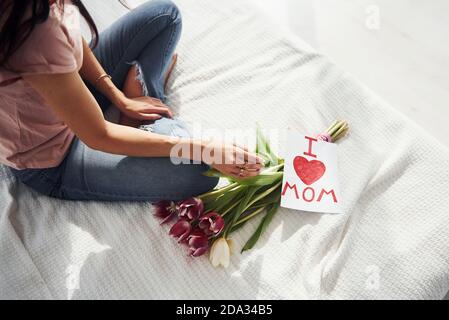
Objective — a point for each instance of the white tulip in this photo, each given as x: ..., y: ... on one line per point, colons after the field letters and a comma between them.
x: 220, y: 253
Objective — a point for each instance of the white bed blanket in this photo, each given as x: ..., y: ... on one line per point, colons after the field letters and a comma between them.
x: 235, y: 68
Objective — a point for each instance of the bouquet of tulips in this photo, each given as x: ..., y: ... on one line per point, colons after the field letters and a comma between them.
x: 207, y: 221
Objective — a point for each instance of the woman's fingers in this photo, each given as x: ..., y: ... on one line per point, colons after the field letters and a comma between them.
x: 242, y: 173
x: 155, y: 105
x: 243, y: 147
x: 253, y: 166
x: 159, y: 103
x: 248, y: 157
x: 158, y: 110
x: 149, y: 116
x: 249, y: 174
x: 167, y: 111
x: 156, y: 101
x: 253, y: 158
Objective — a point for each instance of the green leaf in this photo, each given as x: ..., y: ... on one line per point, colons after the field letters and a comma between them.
x: 224, y: 200
x: 263, y: 148
x: 232, y: 206
x: 252, y: 211
x: 273, y: 197
x: 264, y: 193
x: 229, y: 216
x: 214, y: 194
x: 263, y: 179
x: 249, y: 193
x: 248, y: 215
x: 271, y: 211
x: 238, y: 226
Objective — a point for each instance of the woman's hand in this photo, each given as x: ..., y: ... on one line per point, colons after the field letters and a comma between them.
x: 144, y: 108
x: 232, y: 160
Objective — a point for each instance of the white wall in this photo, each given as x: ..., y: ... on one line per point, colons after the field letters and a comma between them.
x: 398, y: 48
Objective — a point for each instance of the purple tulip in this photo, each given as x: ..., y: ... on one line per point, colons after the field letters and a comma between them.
x: 191, y: 209
x: 166, y: 210
x: 212, y: 223
x: 181, y: 230
x: 198, y: 243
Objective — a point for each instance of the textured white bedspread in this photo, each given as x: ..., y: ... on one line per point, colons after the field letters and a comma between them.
x: 236, y: 69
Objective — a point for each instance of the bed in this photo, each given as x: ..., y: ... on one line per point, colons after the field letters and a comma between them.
x: 236, y: 69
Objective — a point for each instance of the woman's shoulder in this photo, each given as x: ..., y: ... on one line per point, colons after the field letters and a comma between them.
x: 52, y: 46
x: 65, y: 18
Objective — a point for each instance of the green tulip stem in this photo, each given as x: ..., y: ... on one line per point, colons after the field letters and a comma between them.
x: 230, y: 208
x: 329, y: 130
x: 250, y: 216
x: 263, y: 195
x: 218, y: 192
x: 334, y: 129
x: 337, y: 130
x: 341, y: 132
x: 274, y: 168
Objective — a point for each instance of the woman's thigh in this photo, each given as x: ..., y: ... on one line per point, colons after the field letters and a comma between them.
x: 147, y: 36
x: 94, y: 175
x: 87, y: 174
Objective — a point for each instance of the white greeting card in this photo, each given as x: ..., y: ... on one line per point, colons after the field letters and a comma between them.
x: 311, y: 175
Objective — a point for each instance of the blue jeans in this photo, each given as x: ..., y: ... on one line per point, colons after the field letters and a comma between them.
x: 147, y: 36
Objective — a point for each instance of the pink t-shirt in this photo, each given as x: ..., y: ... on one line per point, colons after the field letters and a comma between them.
x: 31, y: 134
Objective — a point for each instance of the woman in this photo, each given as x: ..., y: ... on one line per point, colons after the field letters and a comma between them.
x: 52, y: 131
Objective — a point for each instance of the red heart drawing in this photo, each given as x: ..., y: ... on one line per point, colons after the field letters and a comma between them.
x: 308, y: 171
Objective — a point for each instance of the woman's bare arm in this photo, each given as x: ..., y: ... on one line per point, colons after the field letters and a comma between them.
x: 140, y: 108
x: 72, y: 101
x: 92, y: 69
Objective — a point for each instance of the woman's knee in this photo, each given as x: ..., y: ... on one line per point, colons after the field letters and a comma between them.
x: 165, y: 8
